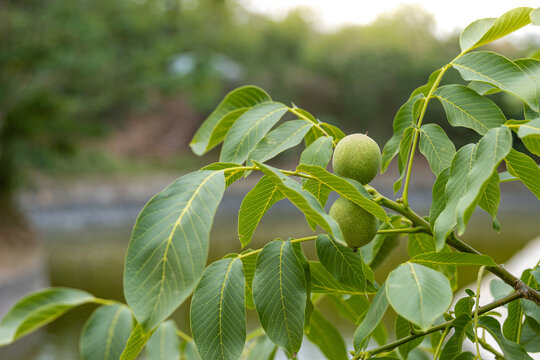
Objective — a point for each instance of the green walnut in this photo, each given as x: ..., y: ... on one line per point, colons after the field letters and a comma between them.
x: 358, y: 157
x: 357, y: 225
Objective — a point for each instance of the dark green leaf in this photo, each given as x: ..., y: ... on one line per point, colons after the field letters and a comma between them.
x: 403, y: 329
x: 327, y: 338
x: 453, y: 258
x: 530, y: 335
x: 323, y: 282
x: 38, y: 309
x: 106, y: 333
x: 218, y: 318
x: 352, y: 308
x: 404, y: 150
x: 249, y: 262
x: 512, y: 324
x: 216, y: 126
x: 524, y: 168
x: 438, y: 202
x: 279, y: 292
x: 255, y: 204
x: 418, y: 293
x: 464, y: 306
x: 299, y: 252
x: 510, y: 349
x: 464, y: 107
x: 164, y: 343
x: 249, y: 129
x: 372, y: 319
x: 436, y: 147
x: 452, y: 348
x: 174, y: 225
x: 424, y: 89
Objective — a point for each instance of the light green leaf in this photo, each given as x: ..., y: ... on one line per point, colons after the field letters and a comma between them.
x: 483, y: 88
x: 164, y: 343
x: 510, y: 349
x: 216, y: 126
x: 313, y: 134
x: 347, y: 188
x: 535, y: 16
x: 439, y: 199
x: 261, y: 349
x: 524, y: 168
x: 319, y: 190
x: 188, y: 351
x: 424, y: 89
x: 531, y: 68
x: 507, y: 23
x: 352, y: 308
x: 323, y: 282
x: 464, y: 107
x: 436, y: 147
x: 105, y: 334
x: 453, y: 258
x: 230, y: 175
x: 497, y: 70
x: 474, y: 32
x: 218, y: 317
x: 418, y: 293
x: 285, y: 136
x: 530, y: 129
x: 135, y: 343
x: 38, y: 309
x: 327, y: 338
x: 303, y: 200
x: 333, y: 131
x: 512, y: 325
x: 404, y: 150
x: 532, y: 144
x: 491, y: 198
x: 344, y: 264
x: 404, y: 119
x: 318, y: 153
x: 372, y: 319
x: 174, y: 225
x: 249, y: 129
x: 453, y: 346
x: 279, y: 292
x: 403, y: 329
x: 248, y: 263
x: 255, y: 204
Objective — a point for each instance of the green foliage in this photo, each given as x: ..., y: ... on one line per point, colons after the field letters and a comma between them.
x: 167, y: 254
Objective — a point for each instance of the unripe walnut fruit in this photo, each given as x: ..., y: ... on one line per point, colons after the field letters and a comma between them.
x: 358, y: 157
x: 357, y: 225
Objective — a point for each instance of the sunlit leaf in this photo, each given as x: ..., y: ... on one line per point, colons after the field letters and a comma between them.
x: 453, y: 258
x: 105, y: 334
x: 535, y: 16
x: 249, y: 129
x: 318, y: 153
x: 215, y: 127
x: 38, y: 309
x: 164, y: 343
x: 136, y: 341
x: 524, y: 168
x: 474, y: 32
x: 464, y: 107
x: 418, y: 293
x: 255, y: 204
x: 279, y: 292
x: 218, y: 318
x: 232, y: 171
x: 436, y: 147
x: 530, y: 129
x: 174, y: 225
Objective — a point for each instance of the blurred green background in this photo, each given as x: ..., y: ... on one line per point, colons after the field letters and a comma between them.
x: 108, y: 92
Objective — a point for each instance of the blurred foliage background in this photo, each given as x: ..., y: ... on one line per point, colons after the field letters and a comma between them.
x: 90, y: 86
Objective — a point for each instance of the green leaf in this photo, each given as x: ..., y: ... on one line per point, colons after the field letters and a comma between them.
x: 381, y: 243
x: 255, y: 204
x: 372, y: 319
x: 323, y: 282
x: 452, y: 348
x: 284, y: 137
x: 497, y: 70
x: 303, y: 200
x: 404, y: 119
x: 404, y: 150
x: 510, y: 349
x: 106, y: 333
x: 188, y: 351
x: 313, y: 134
x: 216, y: 126
x: 483, y: 88
x: 261, y: 349
x: 279, y: 292
x: 491, y: 198
x: 318, y: 153
x: 327, y: 338
x: 319, y: 190
x: 453, y: 258
x: 418, y: 293
x: 299, y: 252
x: 439, y: 199
x: 218, y: 318
x: 524, y: 168
x: 531, y: 68
x: 249, y: 263
x: 532, y: 144
x: 436, y: 147
x: 465, y: 107
x: 530, y: 129
x: 174, y: 225
x: 344, y: 264
x: 249, y: 129
x: 230, y: 175
x: 535, y: 16
x: 352, y: 308
x: 164, y: 343
x: 38, y: 309
x: 403, y: 329
x: 530, y: 335
x: 512, y: 324
x: 135, y: 343
x: 347, y: 188
x: 333, y: 131
x: 507, y: 23
x: 424, y: 89
x: 474, y: 32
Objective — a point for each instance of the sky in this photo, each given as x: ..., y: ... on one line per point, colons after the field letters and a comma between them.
x: 450, y: 15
